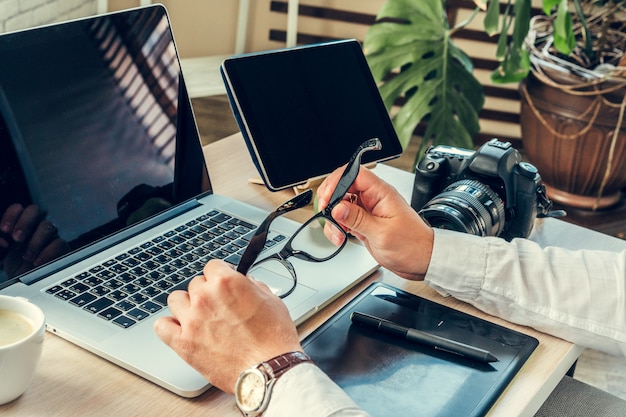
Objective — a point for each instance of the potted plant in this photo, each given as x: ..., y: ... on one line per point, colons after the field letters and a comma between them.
x: 572, y: 112
x: 412, y: 55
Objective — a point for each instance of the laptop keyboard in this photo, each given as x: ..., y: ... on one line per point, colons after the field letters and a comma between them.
x: 131, y: 286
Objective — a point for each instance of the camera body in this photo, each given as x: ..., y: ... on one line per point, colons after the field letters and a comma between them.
x: 488, y: 192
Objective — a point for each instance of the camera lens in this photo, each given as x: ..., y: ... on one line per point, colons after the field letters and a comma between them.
x: 467, y: 206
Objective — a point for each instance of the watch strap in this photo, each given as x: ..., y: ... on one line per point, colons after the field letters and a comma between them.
x: 280, y: 364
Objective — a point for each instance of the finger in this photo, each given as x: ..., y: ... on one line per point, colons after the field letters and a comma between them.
x: 178, y: 302
x: 168, y: 330
x: 9, y: 218
x: 217, y: 266
x: 334, y: 235
x: 26, y: 223
x: 261, y: 284
x: 354, y: 218
x: 195, y: 284
x: 326, y: 188
x: 45, y: 233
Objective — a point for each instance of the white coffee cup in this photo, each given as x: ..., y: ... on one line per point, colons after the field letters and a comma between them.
x: 22, y: 330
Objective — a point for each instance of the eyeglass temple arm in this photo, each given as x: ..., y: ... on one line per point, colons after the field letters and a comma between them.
x: 352, y: 170
x: 257, y: 241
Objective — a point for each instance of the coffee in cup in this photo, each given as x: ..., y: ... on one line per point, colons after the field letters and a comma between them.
x: 22, y: 330
x: 13, y: 327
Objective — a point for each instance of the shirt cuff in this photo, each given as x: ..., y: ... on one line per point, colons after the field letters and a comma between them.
x: 305, y: 390
x: 458, y: 263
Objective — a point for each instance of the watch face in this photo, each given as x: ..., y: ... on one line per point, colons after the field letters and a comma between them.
x: 250, y: 390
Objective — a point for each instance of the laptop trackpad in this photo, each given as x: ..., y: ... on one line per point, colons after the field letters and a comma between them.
x: 279, y: 283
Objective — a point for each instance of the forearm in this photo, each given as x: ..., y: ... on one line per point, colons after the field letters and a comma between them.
x: 578, y: 296
x: 307, y: 391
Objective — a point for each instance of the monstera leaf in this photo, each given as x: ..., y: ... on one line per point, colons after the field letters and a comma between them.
x: 412, y: 57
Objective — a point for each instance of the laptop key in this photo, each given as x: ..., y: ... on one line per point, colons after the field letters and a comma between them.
x: 150, y: 291
x: 100, y: 290
x: 163, y: 285
x: 110, y: 313
x: 137, y: 314
x: 83, y: 299
x: 54, y: 289
x: 69, y: 282
x: 130, y: 262
x: 113, y: 284
x: 137, y: 298
x: 65, y: 295
x: 233, y: 259
x: 98, y: 305
x: 117, y: 295
x: 118, y: 268
x: 126, y: 277
x: 130, y: 288
x: 180, y: 286
x: 151, y: 307
x: 124, y: 321
x: 122, y: 256
x: 125, y: 305
x: 161, y: 299
x: 220, y: 217
x: 142, y: 282
x: 134, y: 250
x: 142, y: 256
x: 79, y: 287
x: 92, y: 281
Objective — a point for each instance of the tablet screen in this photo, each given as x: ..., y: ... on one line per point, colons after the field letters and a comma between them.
x: 305, y: 110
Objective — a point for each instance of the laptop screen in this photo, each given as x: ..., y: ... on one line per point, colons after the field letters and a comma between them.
x: 96, y: 134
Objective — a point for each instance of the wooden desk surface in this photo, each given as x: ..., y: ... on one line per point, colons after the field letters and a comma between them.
x: 72, y: 381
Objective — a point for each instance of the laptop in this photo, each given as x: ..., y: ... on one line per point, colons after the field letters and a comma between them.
x: 101, y: 156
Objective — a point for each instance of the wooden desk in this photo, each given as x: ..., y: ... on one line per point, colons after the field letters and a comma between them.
x: 73, y: 382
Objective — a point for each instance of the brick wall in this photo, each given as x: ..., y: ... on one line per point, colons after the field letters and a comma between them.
x: 20, y: 14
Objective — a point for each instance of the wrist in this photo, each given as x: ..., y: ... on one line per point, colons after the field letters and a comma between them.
x: 253, y: 389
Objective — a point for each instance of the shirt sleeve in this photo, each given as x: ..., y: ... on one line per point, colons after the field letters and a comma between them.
x: 575, y: 295
x: 306, y: 391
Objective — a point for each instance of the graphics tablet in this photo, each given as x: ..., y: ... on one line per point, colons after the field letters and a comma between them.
x: 388, y: 376
x: 303, y: 111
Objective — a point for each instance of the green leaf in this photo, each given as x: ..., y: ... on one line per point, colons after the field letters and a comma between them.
x: 413, y: 58
x: 503, y: 38
x: 564, y: 39
x: 548, y: 5
x: 491, y: 17
x: 512, y: 53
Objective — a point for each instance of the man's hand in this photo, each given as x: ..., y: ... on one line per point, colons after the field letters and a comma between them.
x: 226, y: 323
x: 390, y: 229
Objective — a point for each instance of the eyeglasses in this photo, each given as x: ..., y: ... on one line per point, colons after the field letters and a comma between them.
x: 308, y: 243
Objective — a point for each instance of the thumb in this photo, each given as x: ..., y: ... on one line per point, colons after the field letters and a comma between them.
x: 167, y: 329
x: 354, y: 218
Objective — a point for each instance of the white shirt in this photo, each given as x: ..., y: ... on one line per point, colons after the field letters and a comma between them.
x: 579, y: 296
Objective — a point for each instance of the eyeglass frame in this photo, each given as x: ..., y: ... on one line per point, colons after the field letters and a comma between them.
x: 259, y: 239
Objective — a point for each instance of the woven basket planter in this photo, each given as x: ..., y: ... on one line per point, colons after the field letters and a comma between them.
x: 577, y: 140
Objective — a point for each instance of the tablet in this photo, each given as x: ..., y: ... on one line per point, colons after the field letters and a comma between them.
x: 389, y: 376
x: 303, y: 111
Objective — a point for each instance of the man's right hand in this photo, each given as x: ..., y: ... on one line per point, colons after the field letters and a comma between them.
x: 394, y: 234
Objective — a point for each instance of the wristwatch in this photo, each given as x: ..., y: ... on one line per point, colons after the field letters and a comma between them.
x: 254, y: 386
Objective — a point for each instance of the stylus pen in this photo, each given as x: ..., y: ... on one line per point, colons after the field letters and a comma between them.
x: 423, y: 338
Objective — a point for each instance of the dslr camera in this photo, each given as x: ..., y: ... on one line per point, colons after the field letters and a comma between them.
x: 488, y: 192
